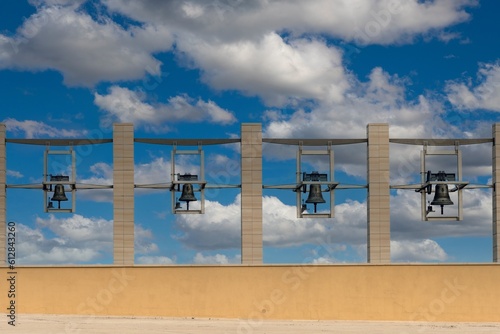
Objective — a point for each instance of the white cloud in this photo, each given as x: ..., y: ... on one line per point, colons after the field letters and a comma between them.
x: 101, y: 174
x: 364, y: 21
x: 142, y: 241
x: 381, y: 99
x: 406, y: 223
x: 125, y: 105
x: 417, y: 251
x: 220, y: 227
x: 411, y: 238
x: 77, y: 228
x: 226, y: 40
x: 200, y: 258
x: 74, y: 3
x: 277, y: 70
x: 324, y: 260
x: 35, y: 129
x: 14, y: 173
x: 238, y: 45
x: 77, y: 239
x: 484, y: 95
x: 155, y: 260
x: 156, y: 171
x: 85, y: 51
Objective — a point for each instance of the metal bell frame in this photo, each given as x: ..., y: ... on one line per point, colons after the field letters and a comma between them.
x: 179, y: 180
x: 51, y: 181
x: 304, y: 182
x: 431, y: 183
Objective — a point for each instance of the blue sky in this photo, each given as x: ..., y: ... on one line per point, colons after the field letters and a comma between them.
x: 304, y: 69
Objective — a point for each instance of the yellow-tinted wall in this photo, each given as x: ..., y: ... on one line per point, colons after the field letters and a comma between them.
x: 344, y: 292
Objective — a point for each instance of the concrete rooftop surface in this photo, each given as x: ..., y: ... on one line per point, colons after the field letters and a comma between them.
x: 59, y: 324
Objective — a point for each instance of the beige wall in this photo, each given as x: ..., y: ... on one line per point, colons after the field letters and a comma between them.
x: 368, y: 292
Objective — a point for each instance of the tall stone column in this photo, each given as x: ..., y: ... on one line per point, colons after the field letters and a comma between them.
x: 378, y: 215
x: 251, y: 193
x: 123, y: 194
x: 496, y: 192
x: 3, y: 173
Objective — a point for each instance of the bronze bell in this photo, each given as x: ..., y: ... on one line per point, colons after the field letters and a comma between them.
x: 442, y: 196
x: 59, y: 194
x: 187, y: 194
x: 315, y: 195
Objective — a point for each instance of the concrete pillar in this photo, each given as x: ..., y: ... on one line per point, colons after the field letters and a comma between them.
x: 123, y: 194
x: 3, y: 173
x: 496, y: 192
x: 378, y: 215
x: 251, y: 193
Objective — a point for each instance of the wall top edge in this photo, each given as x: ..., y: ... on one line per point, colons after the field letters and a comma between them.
x: 485, y: 264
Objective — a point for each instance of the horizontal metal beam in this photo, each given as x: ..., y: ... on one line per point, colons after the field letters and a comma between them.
x: 169, y: 185
x: 313, y: 142
x: 335, y: 185
x: 187, y: 142
x: 441, y: 142
x: 78, y: 186
x: 282, y: 141
x: 59, y: 142
x: 459, y: 184
x: 85, y: 186
x: 442, y: 218
x: 25, y: 186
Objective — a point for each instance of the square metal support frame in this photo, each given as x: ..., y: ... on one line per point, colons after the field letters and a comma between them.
x: 330, y: 183
x: 47, y: 182
x: 459, y: 183
x: 200, y: 182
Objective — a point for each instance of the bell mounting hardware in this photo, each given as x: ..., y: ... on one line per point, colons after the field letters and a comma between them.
x: 191, y: 184
x: 56, y: 186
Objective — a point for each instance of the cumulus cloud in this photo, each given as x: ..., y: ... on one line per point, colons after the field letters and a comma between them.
x: 156, y: 171
x: 382, y: 98
x: 363, y: 21
x: 407, y: 225
x: 76, y: 239
x: 14, y: 173
x: 411, y: 238
x: 417, y: 251
x: 200, y: 258
x: 483, y: 95
x: 228, y: 41
x: 272, y: 68
x: 379, y: 99
x: 125, y: 105
x: 36, y: 129
x: 155, y: 260
x: 220, y: 229
x: 85, y: 51
x: 74, y: 3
